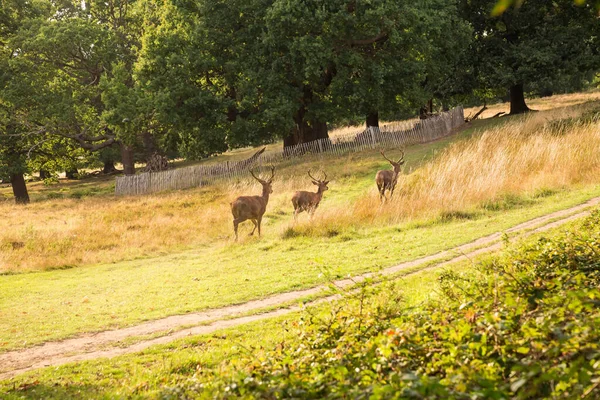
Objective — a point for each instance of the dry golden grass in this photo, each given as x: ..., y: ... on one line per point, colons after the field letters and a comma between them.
x: 528, y: 156
x: 72, y: 232
x: 75, y: 232
x: 540, y: 104
x: 522, y: 155
x: 534, y: 155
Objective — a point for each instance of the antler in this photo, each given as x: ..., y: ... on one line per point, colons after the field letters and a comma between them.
x: 255, y: 177
x: 384, y: 156
x: 318, y: 180
x: 401, y: 158
x: 272, y: 173
x: 263, y: 181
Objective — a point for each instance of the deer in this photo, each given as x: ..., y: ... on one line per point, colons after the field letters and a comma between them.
x: 252, y: 207
x: 309, y: 201
x: 387, y: 179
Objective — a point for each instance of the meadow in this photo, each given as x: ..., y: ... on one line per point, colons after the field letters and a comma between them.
x: 78, y: 260
x: 491, y: 161
x: 465, y: 332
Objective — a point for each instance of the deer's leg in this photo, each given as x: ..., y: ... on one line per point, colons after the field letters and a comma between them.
x: 259, y: 221
x: 254, y: 222
x: 236, y: 222
x: 385, y: 187
x: 381, y: 189
x: 392, y: 188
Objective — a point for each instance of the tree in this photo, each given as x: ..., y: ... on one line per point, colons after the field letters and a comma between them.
x: 15, y: 144
x: 537, y: 42
x: 234, y: 73
x: 182, y: 80
x: 401, y: 73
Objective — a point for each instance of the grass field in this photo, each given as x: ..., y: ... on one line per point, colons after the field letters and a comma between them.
x: 90, y: 226
x: 149, y: 372
x: 80, y: 260
x: 188, y: 365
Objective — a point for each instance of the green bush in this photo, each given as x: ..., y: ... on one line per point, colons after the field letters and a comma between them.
x: 523, y: 326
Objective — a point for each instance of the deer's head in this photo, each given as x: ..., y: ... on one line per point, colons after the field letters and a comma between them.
x: 396, y: 164
x: 321, y: 183
x: 266, y: 184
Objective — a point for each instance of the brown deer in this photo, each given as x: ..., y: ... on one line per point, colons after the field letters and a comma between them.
x: 387, y: 179
x: 252, y: 207
x: 309, y: 201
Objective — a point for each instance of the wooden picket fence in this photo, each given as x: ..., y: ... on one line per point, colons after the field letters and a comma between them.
x: 393, y: 135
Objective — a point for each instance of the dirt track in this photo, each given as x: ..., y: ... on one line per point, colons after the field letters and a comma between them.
x: 98, y: 345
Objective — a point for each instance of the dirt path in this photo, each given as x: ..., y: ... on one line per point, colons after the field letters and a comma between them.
x: 98, y: 345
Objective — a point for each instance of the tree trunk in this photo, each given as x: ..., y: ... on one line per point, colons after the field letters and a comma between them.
x: 127, y: 159
x: 373, y: 119
x: 305, y: 131
x: 517, y: 100
x: 44, y: 174
x: 109, y: 167
x: 150, y: 147
x: 430, y: 106
x: 19, y: 188
x: 72, y: 173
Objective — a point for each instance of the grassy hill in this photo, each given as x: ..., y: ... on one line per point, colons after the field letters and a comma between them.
x: 80, y: 260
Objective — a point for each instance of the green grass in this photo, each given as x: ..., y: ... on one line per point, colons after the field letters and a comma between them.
x: 194, y: 361
x: 145, y: 374
x: 39, y: 307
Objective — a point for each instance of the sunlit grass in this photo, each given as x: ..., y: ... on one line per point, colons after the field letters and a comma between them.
x: 153, y: 256
x: 197, y: 360
x: 540, y: 104
x: 543, y: 152
x: 512, y: 156
x: 68, y: 232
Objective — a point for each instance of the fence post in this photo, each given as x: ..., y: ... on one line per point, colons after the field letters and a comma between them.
x: 371, y: 130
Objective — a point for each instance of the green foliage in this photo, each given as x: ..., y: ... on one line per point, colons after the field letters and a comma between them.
x: 523, y: 326
x: 235, y: 73
x: 194, y: 79
x: 543, y: 44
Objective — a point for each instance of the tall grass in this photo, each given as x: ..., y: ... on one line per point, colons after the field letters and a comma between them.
x: 526, y: 156
x: 500, y: 168
x: 534, y: 155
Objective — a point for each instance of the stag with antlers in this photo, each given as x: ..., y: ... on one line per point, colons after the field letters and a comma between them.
x: 309, y: 201
x: 252, y: 207
x: 387, y: 179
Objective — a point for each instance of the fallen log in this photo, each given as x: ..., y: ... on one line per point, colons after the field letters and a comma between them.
x: 478, y: 113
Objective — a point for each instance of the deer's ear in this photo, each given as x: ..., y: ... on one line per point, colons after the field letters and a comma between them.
x: 326, y: 182
x: 315, y: 183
